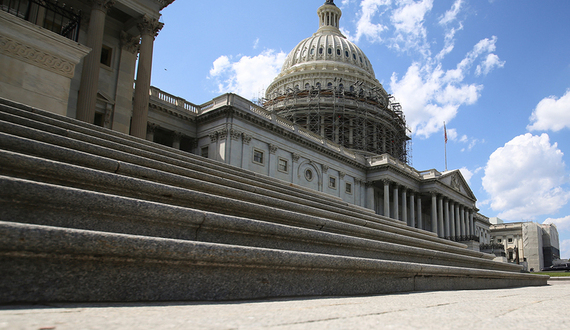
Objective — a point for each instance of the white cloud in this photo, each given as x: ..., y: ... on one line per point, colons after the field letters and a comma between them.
x: 408, y: 21
x: 561, y: 223
x: 551, y: 114
x: 492, y: 61
x: 256, y: 43
x: 451, y: 14
x: 467, y: 175
x: 430, y: 98
x: 249, y: 75
x: 452, y: 134
x: 431, y: 95
x: 220, y: 64
x: 365, y: 27
x: 525, y: 178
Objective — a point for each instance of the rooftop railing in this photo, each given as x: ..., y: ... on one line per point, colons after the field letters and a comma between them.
x: 47, y: 14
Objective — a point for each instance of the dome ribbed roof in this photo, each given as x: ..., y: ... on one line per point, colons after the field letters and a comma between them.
x: 327, y: 46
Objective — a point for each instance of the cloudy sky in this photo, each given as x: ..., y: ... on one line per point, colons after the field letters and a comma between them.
x: 497, y: 72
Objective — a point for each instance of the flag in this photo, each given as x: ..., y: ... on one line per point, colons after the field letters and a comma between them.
x: 445, y: 132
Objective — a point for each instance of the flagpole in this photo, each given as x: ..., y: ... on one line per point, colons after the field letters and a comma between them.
x: 445, y: 137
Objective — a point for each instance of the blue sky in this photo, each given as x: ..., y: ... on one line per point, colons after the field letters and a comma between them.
x: 496, y: 71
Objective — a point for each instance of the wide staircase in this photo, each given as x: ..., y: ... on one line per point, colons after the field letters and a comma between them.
x: 89, y: 214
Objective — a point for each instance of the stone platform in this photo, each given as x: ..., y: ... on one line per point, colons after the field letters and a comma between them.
x: 88, y: 214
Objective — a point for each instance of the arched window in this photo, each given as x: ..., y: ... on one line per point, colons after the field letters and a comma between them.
x: 307, y: 86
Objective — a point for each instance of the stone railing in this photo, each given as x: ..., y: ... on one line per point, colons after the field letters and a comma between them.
x: 171, y: 100
x: 429, y: 174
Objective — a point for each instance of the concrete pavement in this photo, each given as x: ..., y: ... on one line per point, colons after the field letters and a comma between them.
x: 520, y: 308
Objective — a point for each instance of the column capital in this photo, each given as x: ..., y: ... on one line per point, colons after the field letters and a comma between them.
x: 369, y: 184
x: 129, y: 42
x: 246, y: 138
x: 273, y: 148
x: 295, y: 157
x: 102, y: 5
x: 325, y: 168
x: 149, y: 26
x: 386, y: 181
x: 235, y: 134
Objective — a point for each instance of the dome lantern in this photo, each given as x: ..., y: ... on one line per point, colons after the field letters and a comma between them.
x: 329, y: 17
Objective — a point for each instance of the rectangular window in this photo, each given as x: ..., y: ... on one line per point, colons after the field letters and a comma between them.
x: 499, y: 240
x: 510, y: 240
x: 204, y: 152
x: 348, y: 188
x: 282, y: 165
x: 106, y: 55
x: 258, y: 156
x: 332, y: 182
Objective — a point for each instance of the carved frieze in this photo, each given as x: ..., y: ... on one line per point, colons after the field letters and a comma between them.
x: 246, y: 138
x: 36, y: 57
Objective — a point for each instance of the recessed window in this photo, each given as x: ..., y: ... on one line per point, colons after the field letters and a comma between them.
x: 348, y: 188
x: 307, y: 86
x: 346, y: 53
x: 309, y: 175
x: 332, y: 182
x: 338, y: 52
x: 312, y: 51
x: 106, y: 55
x: 354, y: 56
x: 282, y: 165
x: 330, y: 51
x: 258, y: 156
x: 320, y: 50
x: 329, y: 85
x: 499, y: 240
x: 204, y: 152
x: 510, y: 240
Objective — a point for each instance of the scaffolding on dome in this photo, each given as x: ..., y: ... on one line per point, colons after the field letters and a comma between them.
x: 362, y: 120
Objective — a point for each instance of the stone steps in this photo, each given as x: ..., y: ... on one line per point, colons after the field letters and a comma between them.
x: 59, y: 177
x: 42, y: 263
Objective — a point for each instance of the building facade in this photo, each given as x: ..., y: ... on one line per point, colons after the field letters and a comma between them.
x: 326, y: 123
x: 533, y: 245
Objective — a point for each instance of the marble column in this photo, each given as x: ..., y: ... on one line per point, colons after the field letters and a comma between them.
x: 412, y: 209
x: 434, y: 223
x: 452, y: 220
x: 89, y: 84
x: 462, y: 217
x: 419, y: 212
x: 441, y: 225
x: 386, y: 198
x: 447, y: 225
x: 471, y: 222
x: 396, y: 202
x: 404, y: 205
x: 148, y: 28
x: 370, y: 196
x: 176, y: 140
x: 457, y: 221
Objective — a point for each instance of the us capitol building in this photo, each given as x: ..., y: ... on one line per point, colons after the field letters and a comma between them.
x: 325, y: 124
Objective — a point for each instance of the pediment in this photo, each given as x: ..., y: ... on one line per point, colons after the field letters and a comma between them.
x: 455, y: 180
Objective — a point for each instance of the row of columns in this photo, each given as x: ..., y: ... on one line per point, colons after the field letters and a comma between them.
x: 89, y: 84
x: 449, y: 219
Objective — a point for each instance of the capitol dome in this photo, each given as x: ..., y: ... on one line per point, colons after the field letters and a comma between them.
x: 327, y: 85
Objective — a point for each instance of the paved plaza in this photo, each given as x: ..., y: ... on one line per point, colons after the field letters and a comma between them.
x: 520, y: 308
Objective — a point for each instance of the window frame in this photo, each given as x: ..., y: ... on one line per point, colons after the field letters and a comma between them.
x: 262, y: 158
